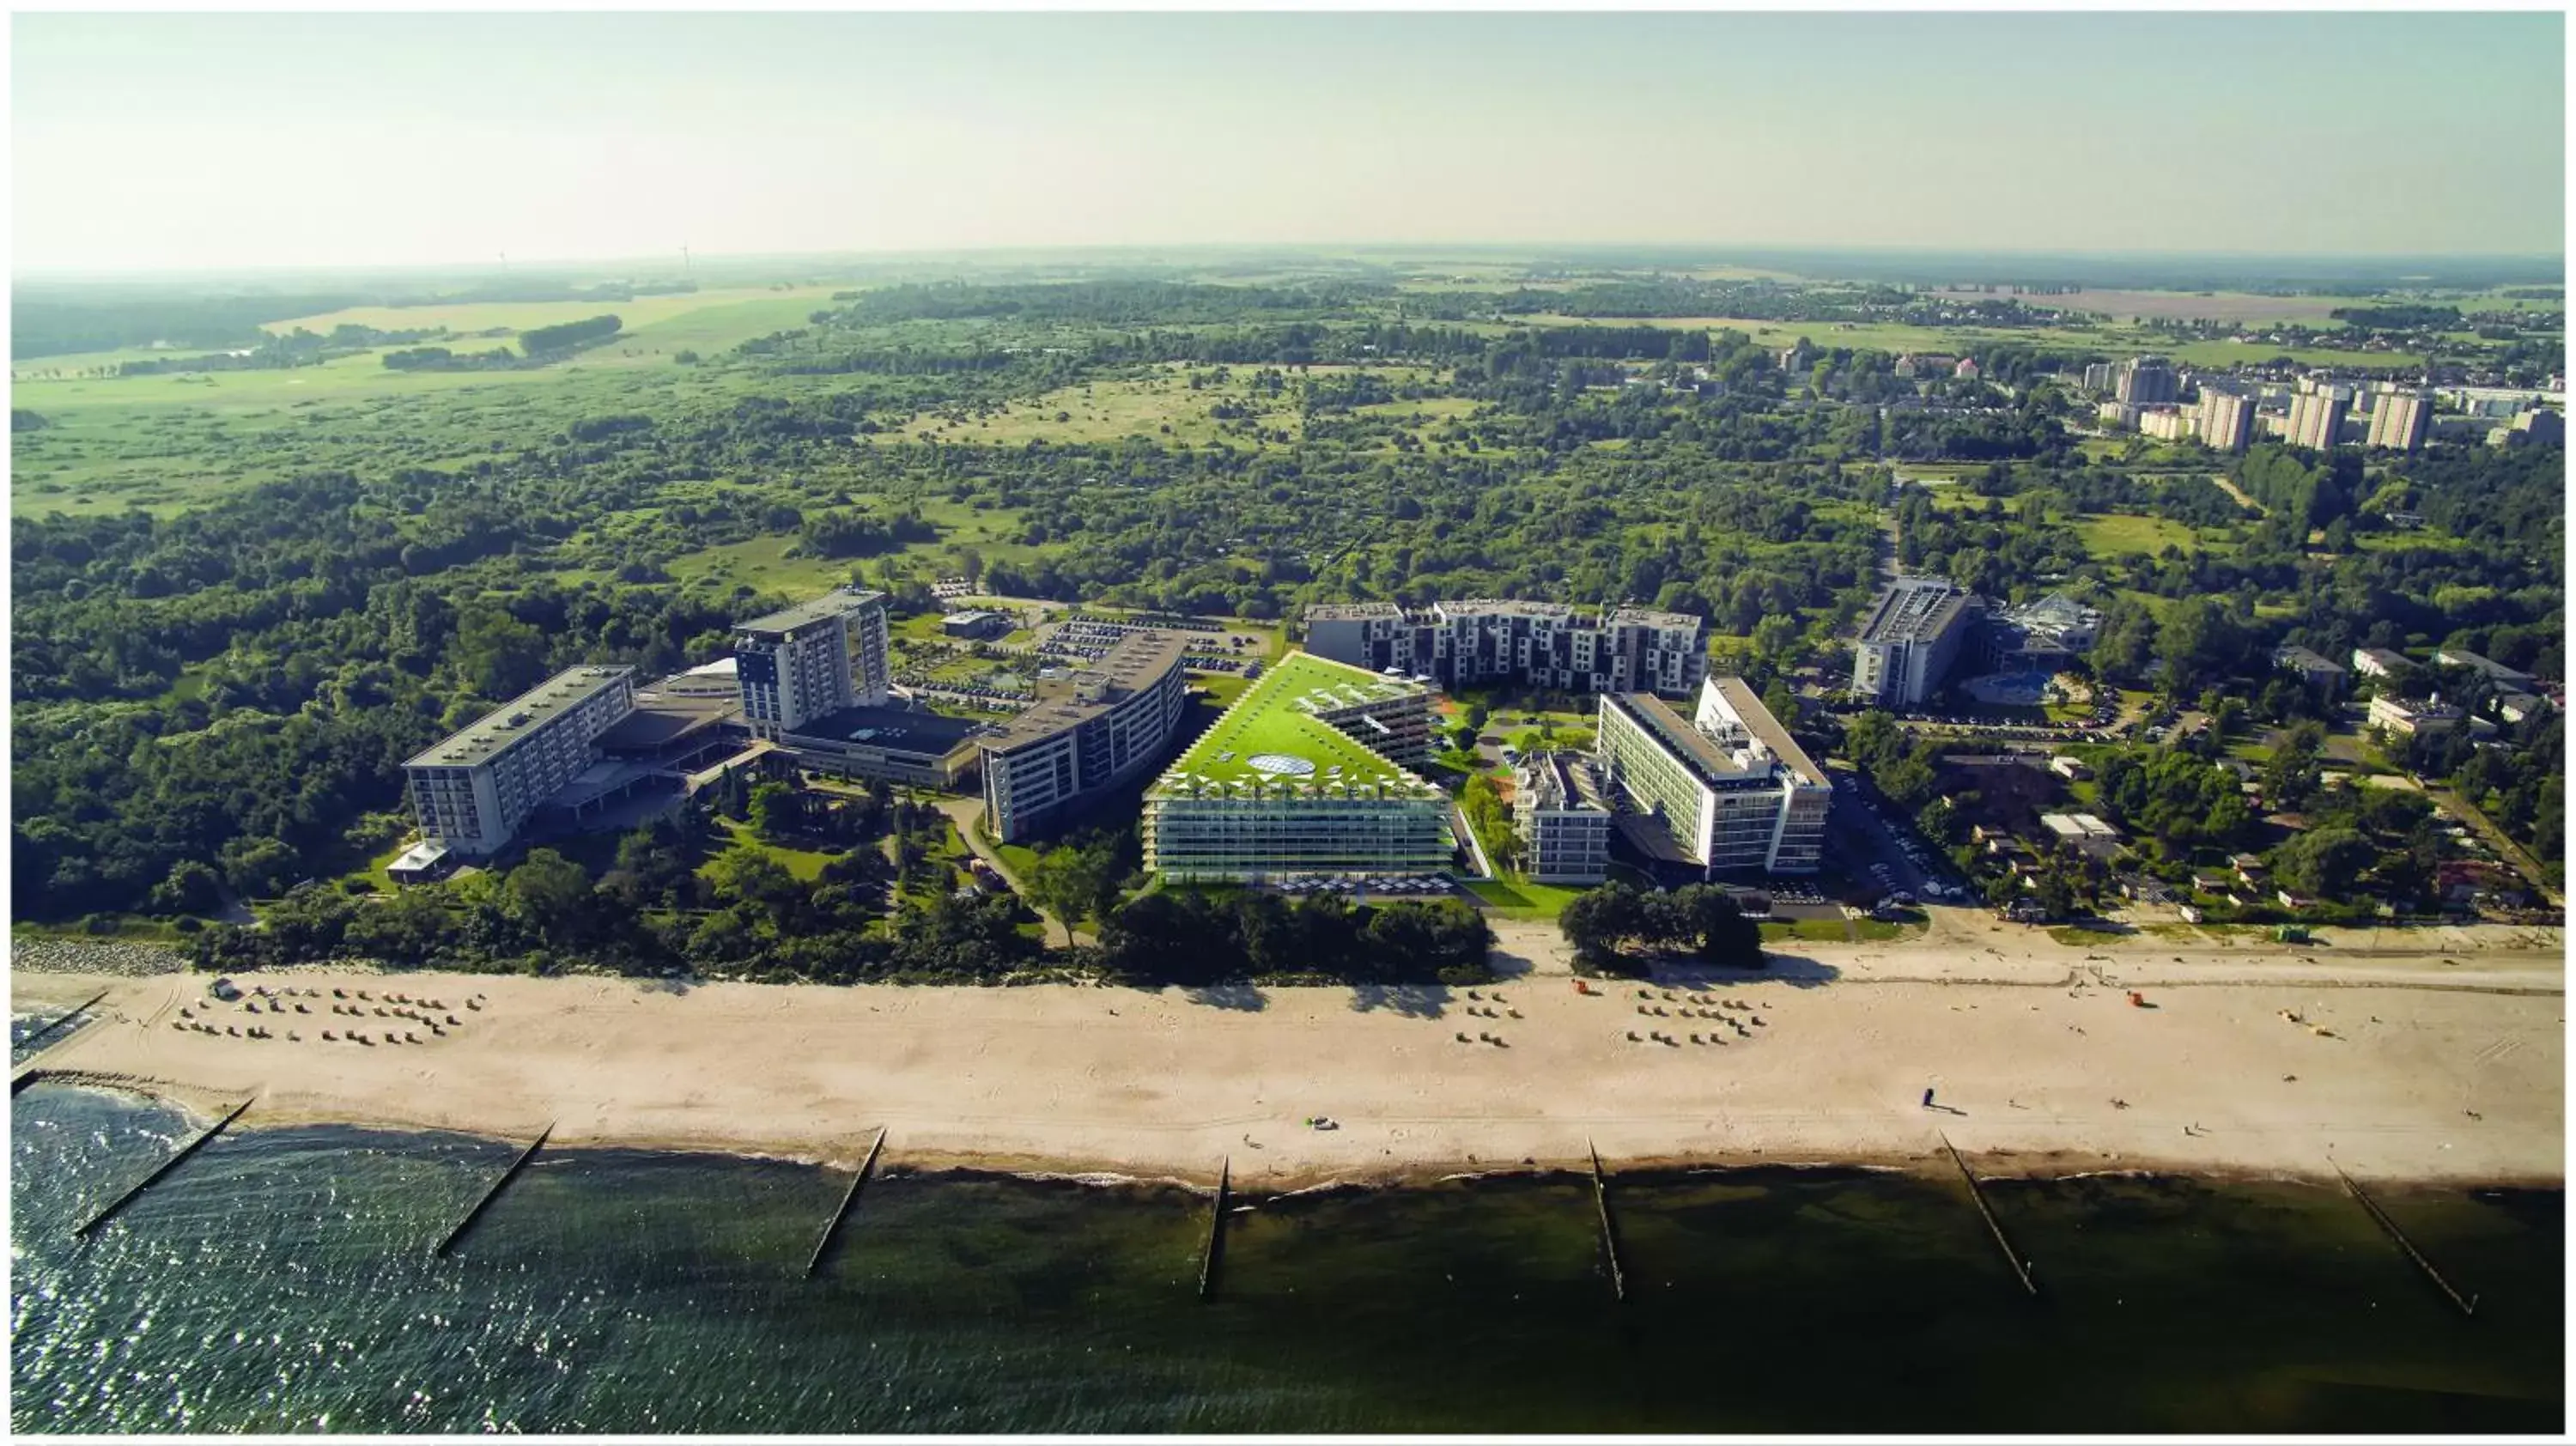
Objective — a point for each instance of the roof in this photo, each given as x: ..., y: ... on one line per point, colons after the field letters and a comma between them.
x: 1274, y: 719
x: 2463, y: 658
x: 1504, y: 606
x: 1914, y: 609
x: 902, y: 730
x: 2294, y: 656
x: 1759, y: 722
x: 1133, y: 663
x: 1555, y: 782
x: 2388, y: 658
x: 805, y: 614
x: 482, y: 740
x: 1347, y: 612
x: 1693, y: 748
x: 1653, y: 618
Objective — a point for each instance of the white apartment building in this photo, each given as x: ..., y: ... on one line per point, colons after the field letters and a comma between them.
x: 2169, y: 423
x: 1564, y: 824
x: 1729, y: 785
x: 472, y: 792
x: 811, y: 660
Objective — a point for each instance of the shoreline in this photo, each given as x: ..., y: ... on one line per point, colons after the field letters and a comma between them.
x: 203, y: 1106
x: 2232, y: 1064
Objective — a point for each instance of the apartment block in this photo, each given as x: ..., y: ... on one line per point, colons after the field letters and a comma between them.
x: 1728, y: 785
x: 2144, y: 381
x: 472, y: 792
x: 2317, y: 415
x: 1496, y: 642
x: 1564, y: 821
x: 2226, y: 418
x: 811, y: 660
x: 2400, y: 420
x: 1910, y: 638
x: 1086, y: 735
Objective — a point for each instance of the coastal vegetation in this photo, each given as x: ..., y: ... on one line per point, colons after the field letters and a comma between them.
x: 246, y: 595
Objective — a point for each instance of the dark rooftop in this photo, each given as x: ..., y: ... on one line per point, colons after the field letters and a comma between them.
x: 907, y: 730
x: 805, y: 614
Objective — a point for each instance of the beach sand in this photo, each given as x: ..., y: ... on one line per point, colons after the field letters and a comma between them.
x: 2438, y: 1067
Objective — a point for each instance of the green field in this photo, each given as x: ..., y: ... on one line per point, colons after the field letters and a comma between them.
x: 2115, y: 534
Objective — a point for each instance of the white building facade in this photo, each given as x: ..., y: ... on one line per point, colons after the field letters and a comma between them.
x: 473, y: 791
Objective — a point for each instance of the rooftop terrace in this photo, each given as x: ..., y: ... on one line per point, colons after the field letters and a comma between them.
x: 1273, y: 722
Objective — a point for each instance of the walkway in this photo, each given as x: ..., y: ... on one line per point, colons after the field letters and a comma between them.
x: 2451, y: 802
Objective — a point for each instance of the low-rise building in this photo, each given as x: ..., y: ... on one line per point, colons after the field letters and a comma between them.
x: 2380, y: 662
x: 2312, y: 668
x: 2497, y: 673
x: 2406, y: 717
x: 975, y: 623
x: 1101, y: 727
x: 1563, y: 820
x: 2515, y: 707
x: 2168, y: 423
x: 1728, y: 785
x: 472, y: 791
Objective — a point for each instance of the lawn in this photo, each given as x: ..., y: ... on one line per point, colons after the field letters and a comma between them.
x: 1266, y: 720
x: 1514, y: 897
x: 805, y: 864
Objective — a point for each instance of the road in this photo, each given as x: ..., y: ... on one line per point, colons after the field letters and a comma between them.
x: 2452, y: 803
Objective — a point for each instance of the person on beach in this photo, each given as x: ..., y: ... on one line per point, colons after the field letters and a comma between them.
x: 1927, y: 1097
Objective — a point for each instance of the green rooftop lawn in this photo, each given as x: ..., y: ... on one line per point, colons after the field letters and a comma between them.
x: 1266, y: 720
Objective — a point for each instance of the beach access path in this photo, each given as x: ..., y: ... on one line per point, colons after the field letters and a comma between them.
x: 2435, y: 1055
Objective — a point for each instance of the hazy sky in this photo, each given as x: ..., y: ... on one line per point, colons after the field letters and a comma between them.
x: 185, y: 140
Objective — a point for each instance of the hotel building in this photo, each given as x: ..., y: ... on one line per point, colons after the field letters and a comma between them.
x: 1292, y: 781
x: 1087, y: 734
x: 1562, y: 818
x: 1910, y: 639
x: 473, y: 791
x: 1728, y: 785
x: 814, y: 659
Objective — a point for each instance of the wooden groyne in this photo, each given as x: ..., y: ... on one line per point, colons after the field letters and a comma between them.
x: 1215, y: 1251
x: 1977, y: 1194
x: 27, y: 1075
x: 66, y: 1017
x: 2468, y: 1306
x: 849, y: 1198
x: 493, y: 1191
x: 1609, y: 1228
x: 177, y: 1159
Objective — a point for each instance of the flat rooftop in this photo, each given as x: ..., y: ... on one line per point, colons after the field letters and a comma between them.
x: 805, y: 614
x: 903, y: 730
x: 1274, y: 721
x: 1695, y: 749
x: 1914, y: 609
x: 672, y: 709
x: 1503, y: 606
x: 482, y: 740
x: 1133, y: 663
x: 1348, y: 612
x: 1651, y: 618
x: 1758, y: 721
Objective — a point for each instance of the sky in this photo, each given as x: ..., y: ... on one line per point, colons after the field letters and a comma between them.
x: 181, y: 141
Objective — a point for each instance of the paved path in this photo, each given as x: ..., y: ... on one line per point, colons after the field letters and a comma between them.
x: 2529, y: 867
x: 963, y: 812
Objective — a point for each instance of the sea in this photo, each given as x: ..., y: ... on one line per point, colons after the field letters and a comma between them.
x: 283, y: 1280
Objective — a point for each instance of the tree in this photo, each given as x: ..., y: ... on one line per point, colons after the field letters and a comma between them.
x: 259, y: 867
x: 1065, y: 882
x: 775, y: 809
x: 549, y: 896
x: 2322, y: 861
x: 1720, y: 932
x: 497, y: 655
x: 189, y: 889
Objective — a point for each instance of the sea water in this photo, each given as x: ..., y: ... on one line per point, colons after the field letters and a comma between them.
x: 282, y: 1280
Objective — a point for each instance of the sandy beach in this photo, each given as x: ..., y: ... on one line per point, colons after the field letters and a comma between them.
x: 2435, y: 1055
